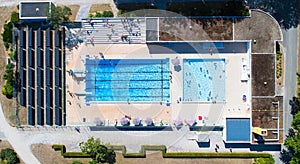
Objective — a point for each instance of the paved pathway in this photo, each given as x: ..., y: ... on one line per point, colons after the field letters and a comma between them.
x: 83, y: 11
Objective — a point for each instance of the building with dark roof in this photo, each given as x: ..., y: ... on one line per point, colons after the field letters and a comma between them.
x: 35, y: 10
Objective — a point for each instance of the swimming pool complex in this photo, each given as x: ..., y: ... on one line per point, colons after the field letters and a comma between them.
x: 128, y: 80
x: 204, y: 80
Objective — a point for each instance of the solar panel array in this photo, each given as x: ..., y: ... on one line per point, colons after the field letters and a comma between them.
x: 31, y: 116
x: 40, y: 79
x: 23, y: 97
x: 57, y: 38
x: 58, y: 116
x: 31, y: 58
x: 40, y: 116
x: 57, y: 57
x: 49, y: 115
x: 49, y: 61
x: 22, y: 54
x: 48, y: 37
x: 30, y: 39
x: 40, y: 76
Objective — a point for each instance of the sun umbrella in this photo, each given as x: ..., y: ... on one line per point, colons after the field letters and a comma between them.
x: 177, y: 122
x: 136, y: 121
x: 149, y: 121
x: 124, y: 121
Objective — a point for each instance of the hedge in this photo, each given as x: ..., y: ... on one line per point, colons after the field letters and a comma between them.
x: 65, y: 154
x: 163, y: 149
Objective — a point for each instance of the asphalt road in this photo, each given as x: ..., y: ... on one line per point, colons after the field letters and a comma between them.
x: 290, y: 42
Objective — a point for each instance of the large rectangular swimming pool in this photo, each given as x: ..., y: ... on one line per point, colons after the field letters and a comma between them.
x: 204, y: 80
x: 128, y: 80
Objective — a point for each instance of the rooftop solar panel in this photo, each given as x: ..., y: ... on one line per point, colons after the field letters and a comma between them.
x: 30, y: 37
x: 57, y: 38
x: 49, y: 77
x: 58, y: 98
x: 31, y: 58
x: 23, y: 97
x: 58, y: 77
x: 49, y: 97
x: 21, y: 37
x: 31, y: 78
x: 49, y: 61
x: 38, y: 37
x: 22, y: 55
x: 22, y: 77
x: 31, y: 97
x: 40, y: 97
x: 30, y: 116
x: 57, y: 57
x: 58, y: 116
x: 40, y: 57
x: 40, y: 77
x: 40, y: 115
x: 49, y: 115
x: 48, y: 38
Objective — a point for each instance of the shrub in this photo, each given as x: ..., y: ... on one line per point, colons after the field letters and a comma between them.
x: 91, y: 15
x: 98, y: 15
x: 108, y: 14
x: 9, y: 156
x: 7, y: 33
x: 7, y: 90
x: 77, y: 162
x: 14, y: 17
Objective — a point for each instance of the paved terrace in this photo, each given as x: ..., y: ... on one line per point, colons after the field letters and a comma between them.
x: 215, y: 114
x: 115, y: 30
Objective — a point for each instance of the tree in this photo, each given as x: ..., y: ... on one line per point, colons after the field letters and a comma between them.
x: 59, y: 15
x: 293, y: 142
x: 98, y: 151
x: 9, y: 156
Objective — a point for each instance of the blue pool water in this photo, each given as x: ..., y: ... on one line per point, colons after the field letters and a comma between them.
x: 128, y: 80
x: 204, y: 80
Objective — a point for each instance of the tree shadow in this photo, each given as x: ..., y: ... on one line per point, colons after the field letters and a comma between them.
x: 285, y: 156
x: 285, y: 12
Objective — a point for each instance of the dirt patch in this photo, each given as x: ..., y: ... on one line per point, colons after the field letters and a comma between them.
x: 263, y: 75
x: 176, y: 29
x: 45, y: 154
x: 260, y: 27
x: 264, y: 115
x: 156, y: 157
x: 74, y: 9
x: 100, y: 8
x: 7, y: 104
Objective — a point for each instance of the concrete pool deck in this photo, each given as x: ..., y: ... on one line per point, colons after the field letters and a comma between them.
x: 80, y: 113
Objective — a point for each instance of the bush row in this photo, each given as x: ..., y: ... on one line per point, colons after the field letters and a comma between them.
x: 65, y: 154
x: 163, y: 149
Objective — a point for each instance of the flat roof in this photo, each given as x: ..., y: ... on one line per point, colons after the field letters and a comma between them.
x: 34, y: 9
x: 238, y: 129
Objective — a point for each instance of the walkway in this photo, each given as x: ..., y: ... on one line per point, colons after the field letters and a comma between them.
x: 83, y: 11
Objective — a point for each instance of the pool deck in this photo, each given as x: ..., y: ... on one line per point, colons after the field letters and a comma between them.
x: 213, y: 114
